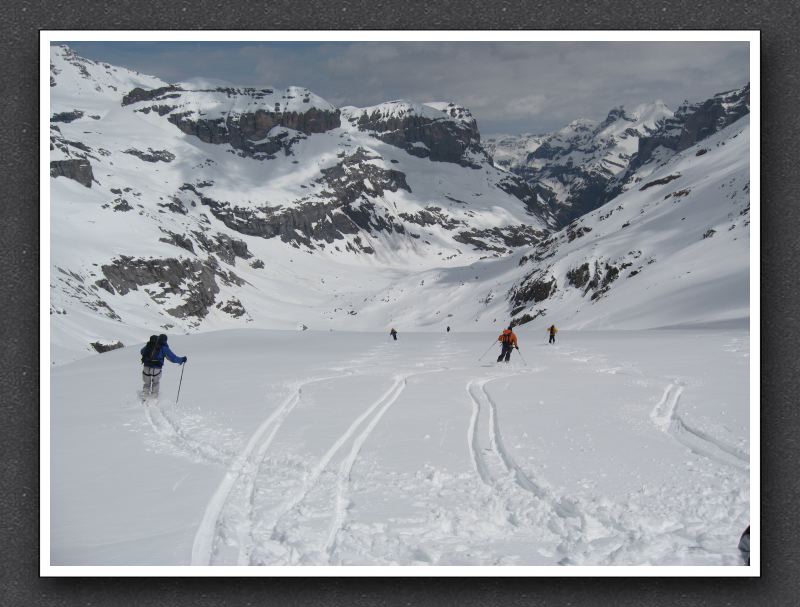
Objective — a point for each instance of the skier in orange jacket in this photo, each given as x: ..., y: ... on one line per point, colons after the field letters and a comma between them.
x: 508, y: 341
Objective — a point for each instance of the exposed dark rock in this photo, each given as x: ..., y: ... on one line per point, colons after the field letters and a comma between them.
x: 193, y: 280
x: 662, y: 181
x: 533, y: 289
x: 106, y: 347
x: 509, y: 236
x: 175, y: 205
x: 161, y: 109
x: 678, y: 193
x: 439, y: 139
x: 233, y: 307
x: 152, y: 155
x: 342, y: 208
x: 225, y: 247
x: 576, y: 232
x: 122, y: 205
x: 525, y: 318
x: 177, y: 240
x: 139, y: 94
x: 430, y: 216
x: 579, y: 277
x: 66, y: 116
x: 249, y: 132
x: 78, y: 169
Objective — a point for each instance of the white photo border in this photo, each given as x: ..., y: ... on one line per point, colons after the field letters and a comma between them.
x: 753, y: 37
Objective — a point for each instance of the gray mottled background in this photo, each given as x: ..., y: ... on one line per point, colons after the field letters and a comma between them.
x: 21, y: 233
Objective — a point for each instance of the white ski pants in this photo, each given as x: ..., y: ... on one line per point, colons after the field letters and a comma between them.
x: 151, y: 376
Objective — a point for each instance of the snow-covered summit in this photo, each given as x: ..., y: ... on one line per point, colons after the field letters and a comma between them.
x: 403, y: 109
x: 85, y: 86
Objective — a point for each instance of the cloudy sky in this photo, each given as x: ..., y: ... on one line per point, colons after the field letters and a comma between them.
x: 511, y: 87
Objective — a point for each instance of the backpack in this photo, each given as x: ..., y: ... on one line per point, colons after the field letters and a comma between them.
x: 505, y: 338
x: 151, y: 351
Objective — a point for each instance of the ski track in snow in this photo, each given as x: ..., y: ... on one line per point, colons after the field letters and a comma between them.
x: 311, y: 480
x: 586, y: 531
x: 666, y: 417
x: 174, y: 433
x: 343, y: 476
x: 566, y: 519
x: 246, y: 468
x: 595, y: 532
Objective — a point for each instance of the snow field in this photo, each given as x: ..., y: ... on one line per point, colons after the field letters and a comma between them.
x: 316, y: 448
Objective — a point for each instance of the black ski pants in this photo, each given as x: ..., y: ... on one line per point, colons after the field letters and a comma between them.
x: 505, y: 353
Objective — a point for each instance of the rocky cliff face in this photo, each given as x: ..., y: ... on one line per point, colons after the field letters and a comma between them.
x: 692, y: 123
x: 257, y: 122
x: 443, y: 132
x: 78, y: 169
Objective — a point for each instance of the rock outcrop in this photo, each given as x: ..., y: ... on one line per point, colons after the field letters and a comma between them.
x: 692, y: 123
x: 78, y: 169
x: 441, y: 132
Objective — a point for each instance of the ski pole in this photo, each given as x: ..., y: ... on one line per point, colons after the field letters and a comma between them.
x: 522, y: 357
x: 487, y: 351
x: 179, y: 384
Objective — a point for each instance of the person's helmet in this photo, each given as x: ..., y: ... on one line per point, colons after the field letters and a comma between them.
x: 162, y: 338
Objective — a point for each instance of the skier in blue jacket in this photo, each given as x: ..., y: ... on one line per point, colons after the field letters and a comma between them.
x: 153, y: 355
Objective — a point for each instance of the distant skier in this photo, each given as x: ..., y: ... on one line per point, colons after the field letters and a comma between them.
x: 508, y: 341
x: 448, y: 329
x: 153, y: 355
x: 552, y: 330
x: 393, y: 333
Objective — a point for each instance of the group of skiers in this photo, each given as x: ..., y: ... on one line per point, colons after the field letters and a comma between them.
x: 156, y: 351
x: 507, y: 339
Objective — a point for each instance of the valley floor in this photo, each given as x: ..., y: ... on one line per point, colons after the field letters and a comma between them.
x: 316, y: 448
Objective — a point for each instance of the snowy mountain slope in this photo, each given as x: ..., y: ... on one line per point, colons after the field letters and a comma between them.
x: 85, y: 89
x: 674, y: 250
x: 317, y: 448
x: 197, y: 207
x: 186, y: 208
